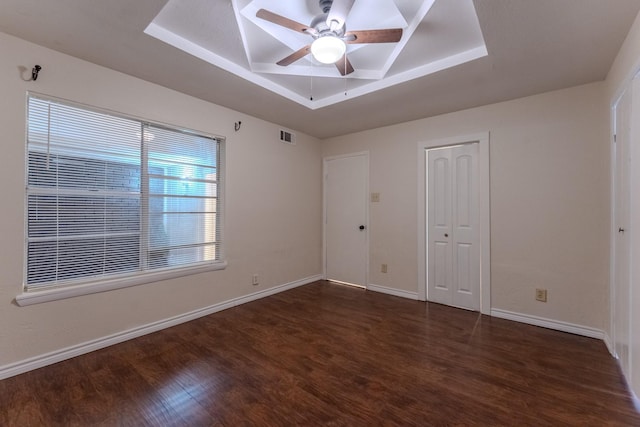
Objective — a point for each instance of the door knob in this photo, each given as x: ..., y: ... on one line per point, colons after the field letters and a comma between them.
x: 620, y: 230
x: 446, y: 234
x: 362, y: 227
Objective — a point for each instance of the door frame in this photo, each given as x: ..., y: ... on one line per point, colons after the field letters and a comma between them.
x: 325, y: 173
x: 630, y: 369
x: 611, y: 340
x: 484, y: 200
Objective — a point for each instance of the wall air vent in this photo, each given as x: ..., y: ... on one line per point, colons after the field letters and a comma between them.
x: 287, y: 137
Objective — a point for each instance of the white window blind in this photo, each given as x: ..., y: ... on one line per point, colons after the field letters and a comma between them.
x: 110, y: 196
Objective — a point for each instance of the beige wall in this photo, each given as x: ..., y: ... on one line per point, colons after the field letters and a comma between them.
x: 273, y: 213
x: 549, y: 165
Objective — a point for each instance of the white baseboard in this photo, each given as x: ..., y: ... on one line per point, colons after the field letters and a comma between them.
x: 549, y: 323
x: 392, y: 291
x: 609, y: 344
x: 40, y: 361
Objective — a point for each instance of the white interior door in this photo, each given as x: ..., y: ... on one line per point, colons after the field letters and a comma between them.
x: 453, y: 226
x: 633, y: 236
x: 622, y: 283
x: 346, y: 234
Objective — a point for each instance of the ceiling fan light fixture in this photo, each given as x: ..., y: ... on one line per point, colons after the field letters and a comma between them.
x: 328, y: 49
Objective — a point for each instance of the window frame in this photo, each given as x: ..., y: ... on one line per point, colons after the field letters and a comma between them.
x: 95, y: 285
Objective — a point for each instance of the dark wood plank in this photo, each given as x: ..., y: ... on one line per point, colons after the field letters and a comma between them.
x: 326, y: 354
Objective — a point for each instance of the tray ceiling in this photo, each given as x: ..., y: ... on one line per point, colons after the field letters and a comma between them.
x: 436, y: 36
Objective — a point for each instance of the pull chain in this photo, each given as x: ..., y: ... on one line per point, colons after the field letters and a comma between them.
x: 345, y: 74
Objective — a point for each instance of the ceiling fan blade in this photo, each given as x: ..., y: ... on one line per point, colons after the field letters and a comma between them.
x: 298, y: 54
x: 344, y: 65
x: 389, y: 35
x: 338, y: 13
x: 282, y: 21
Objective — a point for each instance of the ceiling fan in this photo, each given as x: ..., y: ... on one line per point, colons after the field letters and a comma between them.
x: 330, y: 35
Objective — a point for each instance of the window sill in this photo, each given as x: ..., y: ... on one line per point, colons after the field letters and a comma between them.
x: 54, y: 294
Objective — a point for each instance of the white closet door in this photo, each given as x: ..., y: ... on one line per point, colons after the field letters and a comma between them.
x: 453, y: 226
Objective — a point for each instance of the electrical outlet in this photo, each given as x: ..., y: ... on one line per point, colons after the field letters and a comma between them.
x: 254, y: 280
x: 541, y: 295
x: 375, y: 197
x: 383, y: 268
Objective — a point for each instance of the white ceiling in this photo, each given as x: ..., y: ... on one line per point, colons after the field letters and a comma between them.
x: 533, y: 46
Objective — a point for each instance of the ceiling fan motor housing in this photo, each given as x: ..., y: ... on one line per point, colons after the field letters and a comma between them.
x: 319, y: 23
x: 325, y: 5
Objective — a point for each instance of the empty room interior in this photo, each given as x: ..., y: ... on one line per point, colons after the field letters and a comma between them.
x: 317, y: 212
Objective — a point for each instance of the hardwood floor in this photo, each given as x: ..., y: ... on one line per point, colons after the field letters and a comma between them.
x: 326, y: 354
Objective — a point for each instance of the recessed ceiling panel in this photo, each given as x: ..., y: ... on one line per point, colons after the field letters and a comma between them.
x: 436, y: 34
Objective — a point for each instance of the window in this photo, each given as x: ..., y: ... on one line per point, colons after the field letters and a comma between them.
x: 110, y: 197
